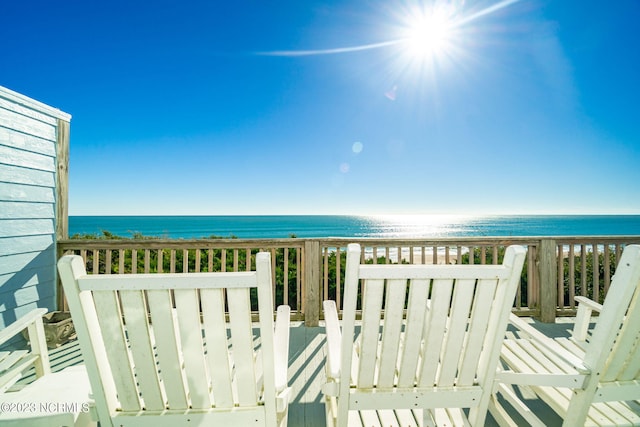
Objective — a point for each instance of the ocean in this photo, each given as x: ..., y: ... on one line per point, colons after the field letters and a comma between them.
x: 388, y: 226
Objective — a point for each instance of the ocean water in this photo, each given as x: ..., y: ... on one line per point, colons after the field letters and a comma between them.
x: 396, y: 226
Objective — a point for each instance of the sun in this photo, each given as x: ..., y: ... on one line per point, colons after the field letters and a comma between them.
x: 428, y: 33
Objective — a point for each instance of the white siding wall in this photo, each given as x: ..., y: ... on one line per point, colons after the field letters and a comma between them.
x: 28, y: 167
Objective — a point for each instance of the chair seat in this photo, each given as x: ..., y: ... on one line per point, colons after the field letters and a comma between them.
x: 60, y: 398
x: 404, y: 418
x: 526, y: 357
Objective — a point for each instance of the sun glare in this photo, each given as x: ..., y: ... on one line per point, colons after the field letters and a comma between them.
x: 428, y: 34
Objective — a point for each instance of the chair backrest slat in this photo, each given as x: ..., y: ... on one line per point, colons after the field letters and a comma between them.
x: 457, y: 324
x: 141, y: 347
x: 390, y: 345
x: 242, y: 339
x: 434, y: 331
x: 371, y: 311
x: 218, y: 356
x: 115, y: 343
x: 416, y: 310
x: 188, y: 317
x: 168, y: 348
x: 484, y: 295
x: 623, y: 363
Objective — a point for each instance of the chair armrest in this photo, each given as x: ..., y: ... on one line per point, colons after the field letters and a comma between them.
x: 21, y: 324
x: 334, y: 337
x: 585, y: 308
x: 549, y: 344
x: 281, y: 346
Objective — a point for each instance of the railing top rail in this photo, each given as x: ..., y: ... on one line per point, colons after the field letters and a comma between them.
x: 179, y: 243
x: 163, y: 243
x: 432, y: 241
x: 485, y: 239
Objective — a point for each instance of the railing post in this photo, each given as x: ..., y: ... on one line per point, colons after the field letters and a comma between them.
x: 548, y: 274
x: 312, y: 263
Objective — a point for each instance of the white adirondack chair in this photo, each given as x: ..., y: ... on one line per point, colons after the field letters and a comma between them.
x: 423, y: 368
x: 53, y: 399
x: 592, y: 378
x: 159, y: 351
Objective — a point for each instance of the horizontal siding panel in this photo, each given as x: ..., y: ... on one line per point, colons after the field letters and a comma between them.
x: 27, y: 125
x: 23, y: 244
x: 26, y: 210
x: 32, y: 260
x: 25, y: 227
x: 27, y: 112
x: 22, y: 100
x: 26, y: 193
x: 20, y: 175
x: 29, y: 294
x: 11, y: 138
x: 16, y: 283
x: 26, y: 277
x: 16, y: 157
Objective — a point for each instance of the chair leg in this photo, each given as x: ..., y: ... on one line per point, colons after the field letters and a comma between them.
x: 500, y: 414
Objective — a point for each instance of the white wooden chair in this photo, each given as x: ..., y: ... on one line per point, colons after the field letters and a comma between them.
x: 591, y: 378
x: 53, y: 399
x: 421, y: 368
x: 159, y: 351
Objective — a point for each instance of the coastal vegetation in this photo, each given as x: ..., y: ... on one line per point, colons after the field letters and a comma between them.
x: 589, y: 273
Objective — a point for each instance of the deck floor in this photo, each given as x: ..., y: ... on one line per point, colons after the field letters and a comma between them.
x: 306, y: 372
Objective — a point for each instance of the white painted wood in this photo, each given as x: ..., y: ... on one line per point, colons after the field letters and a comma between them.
x: 71, y: 386
x: 480, y: 316
x: 416, y: 310
x: 218, y: 356
x: 139, y: 337
x: 372, y: 305
x: 415, y: 363
x: 242, y: 341
x: 434, y: 329
x: 168, y: 348
x: 169, y: 281
x: 185, y: 368
x: 600, y: 387
x: 115, y: 343
x: 281, y: 341
x: 390, y: 345
x: 188, y: 315
x: 456, y: 332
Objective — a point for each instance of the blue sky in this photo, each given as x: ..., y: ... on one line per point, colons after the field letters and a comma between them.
x: 254, y: 107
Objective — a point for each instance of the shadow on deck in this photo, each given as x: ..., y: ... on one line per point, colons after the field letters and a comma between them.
x: 306, y: 372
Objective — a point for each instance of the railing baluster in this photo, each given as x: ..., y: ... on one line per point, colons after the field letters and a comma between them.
x: 338, y: 265
x: 607, y: 266
x: 285, y: 285
x: 100, y: 258
x: 596, y: 273
x: 107, y: 261
x: 572, y: 277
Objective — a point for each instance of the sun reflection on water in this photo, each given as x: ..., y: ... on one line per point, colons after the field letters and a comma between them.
x: 417, y: 226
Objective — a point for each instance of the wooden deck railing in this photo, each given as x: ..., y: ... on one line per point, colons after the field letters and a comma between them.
x: 307, y: 271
